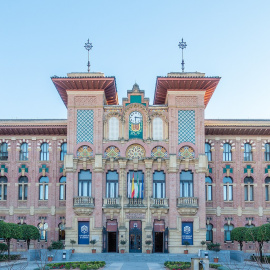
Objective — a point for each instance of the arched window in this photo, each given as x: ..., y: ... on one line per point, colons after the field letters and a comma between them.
x: 112, y: 184
x: 85, y: 183
x: 43, y: 228
x: 227, y: 189
x: 186, y: 184
x: 247, y: 152
x: 227, y: 232
x: 249, y: 189
x: 24, y: 151
x: 159, y: 184
x: 227, y: 152
x: 23, y: 188
x: 4, y: 151
x: 208, y: 152
x: 267, y: 188
x: 113, y: 128
x: 3, y: 188
x: 62, y: 188
x: 209, y: 232
x: 63, y: 151
x: 157, y: 129
x: 44, y: 151
x: 208, y: 189
x: 62, y: 232
x: 267, y: 152
x: 44, y: 188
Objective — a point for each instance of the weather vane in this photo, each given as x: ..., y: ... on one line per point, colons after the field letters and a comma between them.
x: 182, y: 45
x: 88, y: 46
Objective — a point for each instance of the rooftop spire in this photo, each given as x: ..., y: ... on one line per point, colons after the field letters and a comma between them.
x: 88, y: 46
x: 182, y: 45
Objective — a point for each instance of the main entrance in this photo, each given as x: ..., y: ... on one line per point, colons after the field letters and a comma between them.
x: 160, y: 237
x: 110, y: 236
x: 135, y: 236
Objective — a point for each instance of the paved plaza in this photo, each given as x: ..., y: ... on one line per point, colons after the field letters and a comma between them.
x: 128, y: 261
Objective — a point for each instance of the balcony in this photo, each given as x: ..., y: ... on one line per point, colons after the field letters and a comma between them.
x: 83, y: 201
x: 135, y: 202
x: 112, y: 202
x: 187, y: 206
x: 159, y: 203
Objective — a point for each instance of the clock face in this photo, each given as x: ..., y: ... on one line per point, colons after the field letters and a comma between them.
x: 135, y: 117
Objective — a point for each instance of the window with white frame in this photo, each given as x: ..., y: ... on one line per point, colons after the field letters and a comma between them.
x: 62, y: 188
x: 267, y: 152
x: 43, y: 229
x: 44, y: 188
x: 247, y: 152
x: 157, y: 129
x: 113, y: 128
x: 186, y: 184
x: 24, y: 151
x: 227, y: 189
x: 159, y: 184
x: 3, y: 151
x: 85, y: 183
x: 3, y: 188
x: 63, y: 151
x: 249, y: 189
x: 208, y: 152
x: 44, y: 152
x: 227, y: 232
x: 208, y: 189
x: 209, y: 232
x: 267, y: 188
x: 112, y: 184
x: 23, y: 188
x: 227, y: 152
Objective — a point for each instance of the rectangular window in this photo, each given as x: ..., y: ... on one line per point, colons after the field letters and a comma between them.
x: 209, y: 193
x: 267, y: 192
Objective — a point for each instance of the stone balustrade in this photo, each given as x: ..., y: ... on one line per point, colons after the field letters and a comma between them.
x: 83, y: 201
x: 187, y: 202
x: 135, y: 202
x: 111, y: 202
x: 159, y: 202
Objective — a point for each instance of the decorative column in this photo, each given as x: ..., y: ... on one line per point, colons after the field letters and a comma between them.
x: 148, y: 189
x: 122, y: 166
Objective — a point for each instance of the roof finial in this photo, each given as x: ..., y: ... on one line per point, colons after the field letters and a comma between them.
x: 88, y: 46
x: 182, y: 45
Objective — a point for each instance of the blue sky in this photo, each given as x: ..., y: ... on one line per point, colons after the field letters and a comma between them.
x: 134, y: 41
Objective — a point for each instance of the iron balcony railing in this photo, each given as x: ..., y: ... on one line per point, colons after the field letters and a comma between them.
x: 83, y: 201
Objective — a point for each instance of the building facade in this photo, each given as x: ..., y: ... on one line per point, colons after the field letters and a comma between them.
x: 135, y: 171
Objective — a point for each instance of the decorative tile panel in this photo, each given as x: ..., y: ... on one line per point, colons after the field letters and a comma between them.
x: 85, y: 126
x: 84, y: 152
x: 186, y: 152
x: 112, y: 152
x: 186, y: 126
x: 159, y: 152
x: 135, y: 151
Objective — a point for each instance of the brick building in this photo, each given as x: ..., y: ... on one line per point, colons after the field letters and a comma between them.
x: 135, y: 171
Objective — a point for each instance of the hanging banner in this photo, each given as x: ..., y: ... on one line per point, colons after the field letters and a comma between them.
x: 83, y: 232
x: 112, y: 225
x: 159, y: 226
x: 187, y: 232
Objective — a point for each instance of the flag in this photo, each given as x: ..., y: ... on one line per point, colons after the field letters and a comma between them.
x: 142, y: 187
x: 138, y: 185
x: 132, y: 187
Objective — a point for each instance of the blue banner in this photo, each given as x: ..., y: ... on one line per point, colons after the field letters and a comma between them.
x: 83, y: 232
x: 187, y: 232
